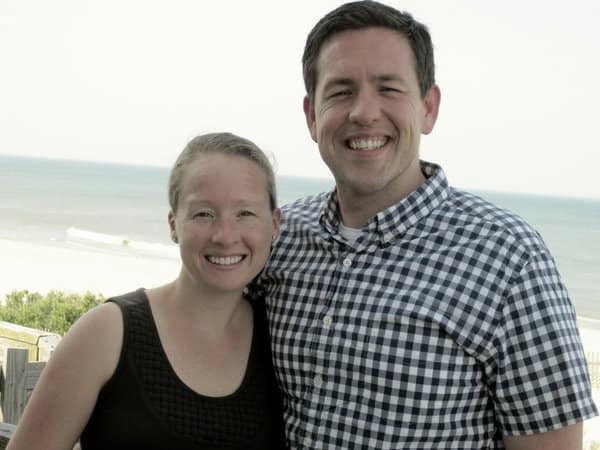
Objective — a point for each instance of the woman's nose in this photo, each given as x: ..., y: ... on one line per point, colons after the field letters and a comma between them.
x: 225, y: 232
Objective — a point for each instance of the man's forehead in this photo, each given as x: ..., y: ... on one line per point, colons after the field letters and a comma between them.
x: 340, y: 37
x: 348, y: 53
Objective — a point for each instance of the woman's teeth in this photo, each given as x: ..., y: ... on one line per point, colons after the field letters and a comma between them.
x: 224, y: 260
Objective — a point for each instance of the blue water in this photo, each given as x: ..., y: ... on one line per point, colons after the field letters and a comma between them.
x: 102, y: 206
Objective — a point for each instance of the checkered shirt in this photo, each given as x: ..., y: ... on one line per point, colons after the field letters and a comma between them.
x: 444, y: 326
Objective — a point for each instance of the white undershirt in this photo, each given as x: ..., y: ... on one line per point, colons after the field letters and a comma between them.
x: 350, y: 234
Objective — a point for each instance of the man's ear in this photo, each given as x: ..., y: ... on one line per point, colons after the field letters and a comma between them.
x: 432, y: 108
x: 309, y: 114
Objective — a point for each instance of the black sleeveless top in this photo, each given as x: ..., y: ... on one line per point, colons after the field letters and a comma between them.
x: 146, y: 406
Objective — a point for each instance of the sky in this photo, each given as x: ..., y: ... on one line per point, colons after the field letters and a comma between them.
x: 131, y: 81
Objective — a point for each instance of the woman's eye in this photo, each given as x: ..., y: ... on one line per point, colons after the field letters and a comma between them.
x: 202, y: 215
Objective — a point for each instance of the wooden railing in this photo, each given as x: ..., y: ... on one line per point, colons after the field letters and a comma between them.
x: 23, y: 352
x: 593, y: 360
x: 19, y: 377
x: 17, y: 380
x: 40, y: 344
x: 6, y: 431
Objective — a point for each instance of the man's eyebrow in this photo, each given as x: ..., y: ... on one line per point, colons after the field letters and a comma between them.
x: 389, y: 77
x: 345, y: 81
x: 338, y: 81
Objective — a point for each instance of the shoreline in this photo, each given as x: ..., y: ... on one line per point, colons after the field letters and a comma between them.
x: 39, y: 267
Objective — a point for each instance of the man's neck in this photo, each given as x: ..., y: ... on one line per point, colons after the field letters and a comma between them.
x: 357, y: 208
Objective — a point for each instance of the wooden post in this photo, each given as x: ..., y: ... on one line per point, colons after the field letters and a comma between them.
x: 593, y: 362
x: 14, y: 367
x: 6, y: 432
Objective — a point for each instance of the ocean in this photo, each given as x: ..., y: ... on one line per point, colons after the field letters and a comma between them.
x: 123, y: 209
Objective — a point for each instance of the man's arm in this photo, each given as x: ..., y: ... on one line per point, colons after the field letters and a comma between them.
x: 565, y: 438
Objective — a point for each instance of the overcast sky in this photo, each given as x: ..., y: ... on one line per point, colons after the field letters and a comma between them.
x: 133, y: 80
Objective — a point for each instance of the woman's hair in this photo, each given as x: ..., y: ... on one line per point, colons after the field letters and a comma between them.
x: 219, y: 143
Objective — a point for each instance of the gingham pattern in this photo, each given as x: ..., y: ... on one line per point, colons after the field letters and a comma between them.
x: 444, y: 326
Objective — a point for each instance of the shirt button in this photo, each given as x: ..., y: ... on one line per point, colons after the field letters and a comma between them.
x: 387, y: 238
x: 308, y: 441
x: 327, y: 320
x: 318, y: 381
x: 347, y: 262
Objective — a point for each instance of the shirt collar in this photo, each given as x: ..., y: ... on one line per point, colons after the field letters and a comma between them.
x: 393, y: 222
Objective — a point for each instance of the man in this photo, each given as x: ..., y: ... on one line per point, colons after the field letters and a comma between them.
x: 406, y: 314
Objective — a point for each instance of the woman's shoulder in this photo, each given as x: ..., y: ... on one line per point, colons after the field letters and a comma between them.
x: 130, y: 298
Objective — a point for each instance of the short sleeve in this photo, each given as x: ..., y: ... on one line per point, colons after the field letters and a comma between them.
x: 541, y: 380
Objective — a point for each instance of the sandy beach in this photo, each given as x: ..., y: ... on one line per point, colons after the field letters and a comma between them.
x: 43, y: 268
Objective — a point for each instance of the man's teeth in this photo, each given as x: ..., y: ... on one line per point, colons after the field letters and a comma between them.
x: 224, y: 260
x: 366, y: 144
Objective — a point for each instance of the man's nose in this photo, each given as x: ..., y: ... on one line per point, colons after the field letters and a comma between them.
x: 366, y: 108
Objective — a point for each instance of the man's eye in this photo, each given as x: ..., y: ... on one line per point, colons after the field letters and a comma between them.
x: 342, y: 93
x: 389, y: 89
x: 246, y: 213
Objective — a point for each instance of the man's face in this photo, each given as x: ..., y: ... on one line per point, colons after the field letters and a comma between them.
x: 368, y: 114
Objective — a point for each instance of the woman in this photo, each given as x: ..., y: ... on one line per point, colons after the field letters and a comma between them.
x: 185, y: 365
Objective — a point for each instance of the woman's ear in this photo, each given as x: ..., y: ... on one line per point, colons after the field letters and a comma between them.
x: 276, y: 222
x: 172, y: 228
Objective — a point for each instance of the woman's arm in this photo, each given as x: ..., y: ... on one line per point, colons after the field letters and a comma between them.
x: 66, y: 393
x: 565, y: 438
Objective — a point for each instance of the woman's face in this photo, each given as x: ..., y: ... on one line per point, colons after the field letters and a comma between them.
x: 224, y: 223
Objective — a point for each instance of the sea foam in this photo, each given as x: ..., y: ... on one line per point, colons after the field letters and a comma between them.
x: 120, y: 243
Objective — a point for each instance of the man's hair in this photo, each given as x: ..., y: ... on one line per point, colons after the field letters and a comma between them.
x: 367, y: 14
x: 225, y: 144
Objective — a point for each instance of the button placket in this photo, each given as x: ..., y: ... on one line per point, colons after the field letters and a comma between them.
x: 318, y: 381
